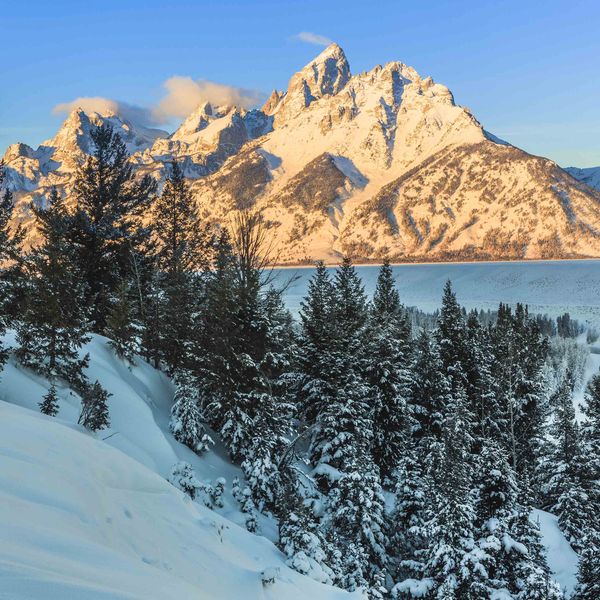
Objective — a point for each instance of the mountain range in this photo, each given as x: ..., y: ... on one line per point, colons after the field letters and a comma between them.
x: 376, y: 164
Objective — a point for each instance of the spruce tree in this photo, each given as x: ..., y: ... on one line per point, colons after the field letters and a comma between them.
x: 242, y: 334
x: 452, y: 340
x: 187, y: 424
x: 183, y: 246
x: 450, y: 563
x: 121, y: 327
x: 316, y: 345
x: 588, y: 577
x: 49, y: 403
x: 568, y: 492
x: 408, y: 523
x: 429, y: 394
x: 357, y: 517
x: 94, y: 407
x: 388, y: 372
x: 11, y: 239
x: 519, y: 353
x: 590, y: 448
x: 105, y: 230
x: 54, y: 324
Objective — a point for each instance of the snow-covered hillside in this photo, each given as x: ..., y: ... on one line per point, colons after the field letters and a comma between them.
x: 589, y: 176
x: 370, y: 164
x: 92, y: 517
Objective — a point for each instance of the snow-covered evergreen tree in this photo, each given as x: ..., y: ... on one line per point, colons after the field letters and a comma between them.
x: 569, y: 485
x: 451, y: 335
x: 451, y: 563
x: 121, y: 327
x: 54, y: 323
x: 408, y: 523
x: 184, y: 249
x: 588, y: 577
x: 105, y: 231
x: 388, y: 372
x: 517, y: 373
x: 49, y: 403
x: 429, y: 394
x: 11, y: 240
x: 183, y: 477
x: 187, y: 423
x: 94, y: 407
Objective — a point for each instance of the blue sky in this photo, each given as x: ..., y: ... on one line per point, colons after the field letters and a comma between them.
x: 529, y: 70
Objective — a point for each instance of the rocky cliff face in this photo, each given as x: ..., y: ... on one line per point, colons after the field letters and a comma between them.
x: 379, y: 163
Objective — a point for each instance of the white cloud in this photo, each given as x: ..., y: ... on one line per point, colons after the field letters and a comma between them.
x: 184, y: 94
x: 313, y: 38
x: 136, y: 114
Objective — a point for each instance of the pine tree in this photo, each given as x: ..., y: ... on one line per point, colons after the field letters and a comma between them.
x: 567, y: 491
x: 451, y: 564
x: 54, y: 323
x: 590, y: 449
x: 388, y: 372
x: 316, y: 345
x: 94, y: 407
x: 183, y: 250
x: 519, y: 353
x: 11, y: 240
x: 452, y: 340
x: 356, y: 505
x: 408, y: 523
x: 105, y: 228
x: 429, y: 394
x: 187, y: 424
x: 121, y: 327
x: 588, y: 578
x: 49, y: 404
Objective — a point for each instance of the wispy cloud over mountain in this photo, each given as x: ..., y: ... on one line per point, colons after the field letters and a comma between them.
x: 137, y: 114
x: 313, y: 38
x: 184, y: 94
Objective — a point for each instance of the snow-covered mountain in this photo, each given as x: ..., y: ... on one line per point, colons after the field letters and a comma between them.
x: 589, y: 176
x: 371, y: 164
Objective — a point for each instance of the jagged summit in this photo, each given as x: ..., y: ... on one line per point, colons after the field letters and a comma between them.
x: 326, y: 75
x: 383, y: 162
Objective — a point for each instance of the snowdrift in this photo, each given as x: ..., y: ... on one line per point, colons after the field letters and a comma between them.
x: 83, y: 520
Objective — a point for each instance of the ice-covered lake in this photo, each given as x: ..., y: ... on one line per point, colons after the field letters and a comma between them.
x: 551, y: 287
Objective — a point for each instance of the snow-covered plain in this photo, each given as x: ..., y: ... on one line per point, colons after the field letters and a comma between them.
x: 92, y: 517
x: 552, y: 287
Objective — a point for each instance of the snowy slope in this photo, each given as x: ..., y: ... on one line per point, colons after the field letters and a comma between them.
x: 82, y: 520
x: 369, y: 164
x: 93, y: 516
x: 562, y: 559
x: 589, y: 176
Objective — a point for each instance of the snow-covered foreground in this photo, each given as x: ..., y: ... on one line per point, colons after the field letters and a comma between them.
x: 92, y: 518
x: 551, y: 287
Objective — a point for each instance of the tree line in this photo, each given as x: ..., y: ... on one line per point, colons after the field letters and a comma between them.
x: 399, y: 460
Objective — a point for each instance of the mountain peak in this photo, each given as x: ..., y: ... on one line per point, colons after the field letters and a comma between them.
x: 326, y: 75
x: 333, y: 50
